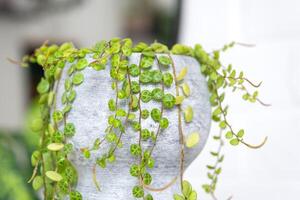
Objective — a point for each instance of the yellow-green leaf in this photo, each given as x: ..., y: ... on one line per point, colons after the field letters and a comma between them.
x: 193, y: 195
x: 55, y: 146
x: 54, y: 176
x: 179, y: 100
x: 188, y: 114
x: 37, y: 182
x: 192, y: 139
x: 182, y: 74
x: 186, y: 89
x: 186, y: 189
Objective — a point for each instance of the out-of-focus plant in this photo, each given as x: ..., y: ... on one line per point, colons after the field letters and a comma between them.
x: 15, y: 168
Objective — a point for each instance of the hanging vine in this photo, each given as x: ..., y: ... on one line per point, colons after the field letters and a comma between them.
x: 55, y: 172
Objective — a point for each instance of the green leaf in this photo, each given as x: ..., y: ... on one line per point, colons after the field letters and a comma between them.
x: 164, y: 123
x: 43, y: 86
x: 37, y: 124
x: 188, y: 114
x: 78, y: 78
x: 57, y: 116
x: 150, y: 163
x: 147, y: 178
x: 135, y: 170
x: 192, y: 140
x: 145, y: 113
x: 186, y: 89
x: 168, y: 101
x: 69, y: 129
x: 135, y: 150
x: 164, y: 60
x: 222, y: 124
x: 120, y: 112
x: 241, y: 133
x: 234, y: 142
x: 179, y: 100
x: 35, y: 157
x: 156, y: 114
x: 131, y: 116
x: 75, y: 195
x: 229, y: 135
x: 178, y: 197
x: 147, y: 62
x: 135, y: 87
x: 186, y: 189
x: 111, y: 137
x: 138, y: 192
x: 146, y: 134
x: 86, y: 153
x: 55, y: 146
x: 146, y: 77
x: 134, y: 70
x: 54, y: 176
x: 101, y: 162
x: 140, y: 47
x: 156, y: 76
x: 50, y: 98
x: 81, y: 64
x: 157, y: 94
x: 68, y: 84
x: 148, y: 197
x: 167, y: 79
x: 182, y: 74
x: 146, y: 96
x: 37, y: 182
x: 193, y: 196
x: 218, y: 171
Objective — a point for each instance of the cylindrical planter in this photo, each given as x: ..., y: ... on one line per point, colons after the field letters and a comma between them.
x: 90, y: 113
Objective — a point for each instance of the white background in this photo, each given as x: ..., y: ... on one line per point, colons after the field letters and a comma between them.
x: 272, y: 172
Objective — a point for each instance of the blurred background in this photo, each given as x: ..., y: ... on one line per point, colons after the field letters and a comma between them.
x: 272, y: 172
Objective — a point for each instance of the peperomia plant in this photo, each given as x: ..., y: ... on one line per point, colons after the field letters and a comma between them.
x: 52, y: 168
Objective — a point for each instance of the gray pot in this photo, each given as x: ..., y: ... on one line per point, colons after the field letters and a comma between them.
x: 90, y: 113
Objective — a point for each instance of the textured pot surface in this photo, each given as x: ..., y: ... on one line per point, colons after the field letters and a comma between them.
x: 90, y: 113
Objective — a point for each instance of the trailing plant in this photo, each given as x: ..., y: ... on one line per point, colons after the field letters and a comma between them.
x: 53, y: 169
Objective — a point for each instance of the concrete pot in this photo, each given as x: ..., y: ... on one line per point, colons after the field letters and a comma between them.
x: 90, y: 113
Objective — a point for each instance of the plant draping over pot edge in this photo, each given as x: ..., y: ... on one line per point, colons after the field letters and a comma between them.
x: 52, y: 168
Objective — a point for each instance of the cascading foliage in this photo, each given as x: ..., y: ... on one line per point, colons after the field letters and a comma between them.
x: 52, y: 168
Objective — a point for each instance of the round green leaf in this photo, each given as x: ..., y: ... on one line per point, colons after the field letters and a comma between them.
x: 168, y: 101
x: 138, y: 192
x: 234, y: 142
x: 146, y: 96
x: 156, y: 76
x: 147, y: 62
x: 164, y: 60
x: 78, y: 78
x: 167, y: 79
x: 146, y: 77
x: 157, y: 94
x: 57, y: 116
x: 36, y: 124
x: 81, y: 64
x: 155, y: 114
x: 43, y: 86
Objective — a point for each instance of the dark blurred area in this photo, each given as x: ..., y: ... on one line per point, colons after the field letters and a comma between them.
x: 24, y: 26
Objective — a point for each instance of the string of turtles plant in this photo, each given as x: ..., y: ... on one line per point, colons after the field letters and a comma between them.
x: 52, y: 168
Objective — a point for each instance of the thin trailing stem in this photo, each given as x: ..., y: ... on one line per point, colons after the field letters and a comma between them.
x: 180, y: 130
x: 233, y: 132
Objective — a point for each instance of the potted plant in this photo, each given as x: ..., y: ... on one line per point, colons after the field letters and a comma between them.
x: 124, y: 121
